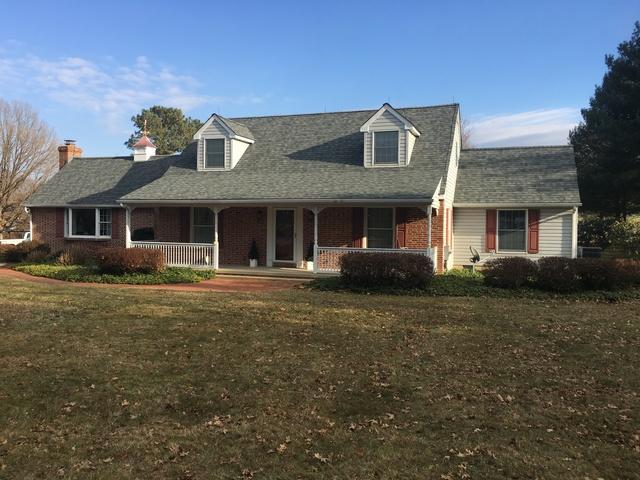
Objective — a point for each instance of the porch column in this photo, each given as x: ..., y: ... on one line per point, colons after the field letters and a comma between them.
x: 127, y: 221
x: 429, y: 214
x: 216, y: 243
x: 316, y: 211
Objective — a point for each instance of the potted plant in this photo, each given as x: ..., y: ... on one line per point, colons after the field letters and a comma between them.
x: 309, y: 257
x: 253, y: 254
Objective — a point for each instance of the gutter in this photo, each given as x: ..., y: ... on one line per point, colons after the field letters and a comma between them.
x: 297, y: 201
x: 515, y: 205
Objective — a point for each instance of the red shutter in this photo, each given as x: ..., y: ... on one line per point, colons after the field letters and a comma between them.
x: 401, y: 227
x: 60, y: 222
x: 490, y: 233
x: 534, y: 231
x: 358, y: 227
x: 116, y: 217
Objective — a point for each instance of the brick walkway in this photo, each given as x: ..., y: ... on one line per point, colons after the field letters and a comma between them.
x: 221, y: 283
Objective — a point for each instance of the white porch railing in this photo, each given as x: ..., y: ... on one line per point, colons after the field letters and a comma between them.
x: 328, y: 258
x: 184, y: 254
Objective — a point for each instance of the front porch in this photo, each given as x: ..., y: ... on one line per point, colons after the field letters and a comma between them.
x: 290, y: 240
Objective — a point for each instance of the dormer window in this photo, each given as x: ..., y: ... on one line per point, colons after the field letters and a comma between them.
x: 214, y: 153
x: 386, y: 148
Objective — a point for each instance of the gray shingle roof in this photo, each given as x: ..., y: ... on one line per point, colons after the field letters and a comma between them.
x: 238, y: 128
x: 536, y: 175
x: 313, y: 157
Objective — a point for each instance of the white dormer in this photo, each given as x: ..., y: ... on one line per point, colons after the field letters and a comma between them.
x: 144, y: 148
x: 388, y: 139
x: 221, y: 143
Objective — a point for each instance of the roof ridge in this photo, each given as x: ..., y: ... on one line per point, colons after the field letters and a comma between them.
x: 335, y: 112
x: 530, y: 147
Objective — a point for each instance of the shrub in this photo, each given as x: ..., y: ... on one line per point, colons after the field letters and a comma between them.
x: 119, y: 260
x: 509, y: 272
x: 628, y: 271
x: 4, y: 249
x: 36, y: 256
x: 76, y: 256
x: 20, y: 251
x: 404, y: 270
x: 598, y: 274
x: 557, y: 274
x: 625, y: 239
x: 594, y: 231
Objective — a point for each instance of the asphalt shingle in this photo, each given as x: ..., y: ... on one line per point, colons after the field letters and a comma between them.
x: 536, y: 175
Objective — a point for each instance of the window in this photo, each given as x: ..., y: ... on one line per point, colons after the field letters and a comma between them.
x: 89, y: 222
x: 386, y: 148
x: 214, y: 153
x: 512, y: 230
x: 380, y: 228
x: 202, y: 225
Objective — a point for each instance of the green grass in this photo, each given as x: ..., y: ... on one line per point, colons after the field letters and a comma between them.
x: 77, y: 273
x: 463, y: 283
x: 124, y: 384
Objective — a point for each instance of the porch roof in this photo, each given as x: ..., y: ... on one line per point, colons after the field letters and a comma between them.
x: 312, y: 157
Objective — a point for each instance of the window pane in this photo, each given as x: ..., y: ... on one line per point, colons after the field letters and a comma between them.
x: 105, y: 222
x: 380, y: 217
x: 214, y: 153
x: 512, y: 231
x: 386, y: 147
x: 380, y: 239
x: 83, y: 221
x: 202, y: 234
x: 202, y: 216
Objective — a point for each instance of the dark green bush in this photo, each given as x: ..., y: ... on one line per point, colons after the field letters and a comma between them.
x: 120, y: 260
x: 404, y: 270
x: 557, y: 274
x: 509, y: 272
x: 625, y: 239
x: 594, y: 231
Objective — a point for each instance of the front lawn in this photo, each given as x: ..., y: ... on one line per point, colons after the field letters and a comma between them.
x: 80, y: 273
x: 124, y: 384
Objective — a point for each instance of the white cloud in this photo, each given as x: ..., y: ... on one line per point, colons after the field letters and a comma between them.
x: 113, y: 91
x: 536, y: 127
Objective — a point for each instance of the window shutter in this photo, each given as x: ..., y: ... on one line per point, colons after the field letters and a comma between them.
x: 184, y: 224
x: 401, y: 227
x: 358, y: 227
x: 490, y: 233
x: 116, y: 217
x: 60, y: 217
x: 534, y: 231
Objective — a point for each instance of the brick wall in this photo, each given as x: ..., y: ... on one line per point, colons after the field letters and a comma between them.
x: 238, y: 227
x: 335, y: 227
x: 48, y: 227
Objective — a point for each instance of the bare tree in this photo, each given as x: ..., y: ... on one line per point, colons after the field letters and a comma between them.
x: 466, y: 131
x: 27, y: 158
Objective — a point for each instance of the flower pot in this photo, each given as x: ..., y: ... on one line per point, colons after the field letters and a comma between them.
x: 310, y: 266
x: 253, y: 263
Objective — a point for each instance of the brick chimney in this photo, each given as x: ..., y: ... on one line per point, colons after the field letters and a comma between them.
x: 68, y: 152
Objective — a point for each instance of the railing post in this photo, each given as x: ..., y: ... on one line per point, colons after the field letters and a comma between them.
x: 216, y: 244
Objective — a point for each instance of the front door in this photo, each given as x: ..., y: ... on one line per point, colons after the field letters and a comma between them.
x: 285, y: 227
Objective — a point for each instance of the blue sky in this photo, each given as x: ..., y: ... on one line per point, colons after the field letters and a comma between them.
x: 520, y: 70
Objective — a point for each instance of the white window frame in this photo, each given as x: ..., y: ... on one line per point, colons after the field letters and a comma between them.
x: 365, y: 236
x: 204, y: 153
x: 69, y: 224
x: 373, y: 149
x: 526, y: 230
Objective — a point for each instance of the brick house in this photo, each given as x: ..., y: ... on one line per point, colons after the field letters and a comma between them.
x: 312, y: 187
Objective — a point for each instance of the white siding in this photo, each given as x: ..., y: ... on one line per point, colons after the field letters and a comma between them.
x: 555, y: 234
x: 411, y: 140
x: 237, y: 150
x: 450, y: 188
x: 386, y: 122
x: 214, y: 130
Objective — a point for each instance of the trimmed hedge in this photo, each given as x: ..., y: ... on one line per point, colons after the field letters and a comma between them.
x: 76, y: 256
x: 120, y: 260
x: 558, y: 274
x: 406, y: 270
x: 509, y: 272
x: 18, y: 253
